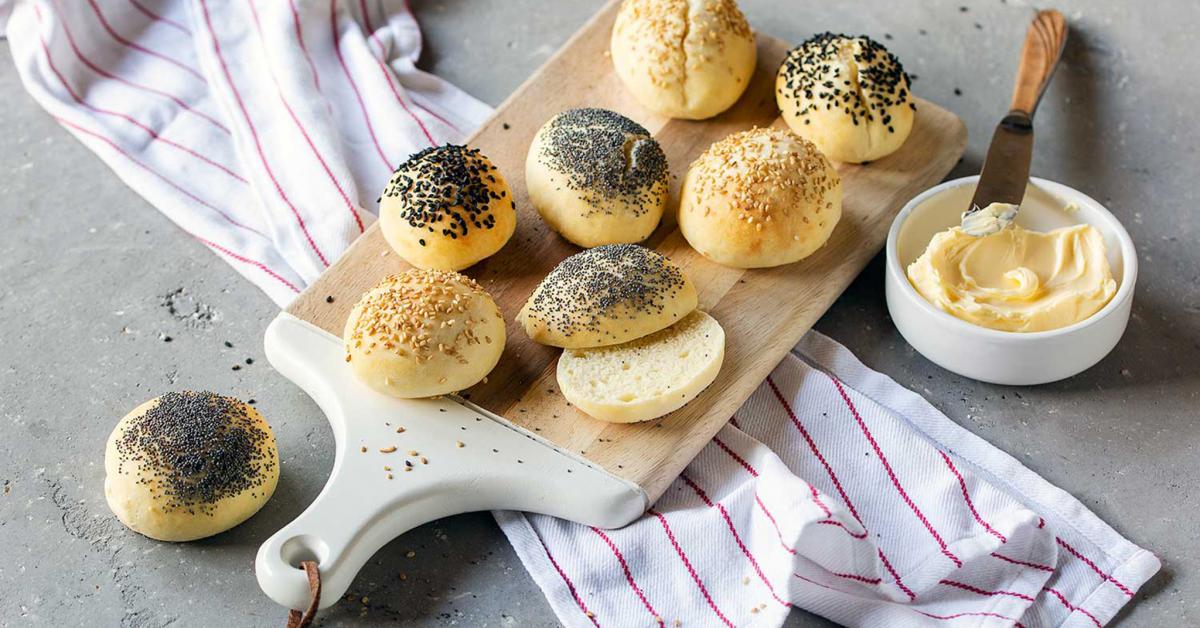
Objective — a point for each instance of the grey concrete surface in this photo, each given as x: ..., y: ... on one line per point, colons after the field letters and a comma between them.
x: 88, y: 268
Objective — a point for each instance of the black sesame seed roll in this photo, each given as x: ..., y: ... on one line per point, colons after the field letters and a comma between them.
x: 848, y: 95
x: 447, y: 208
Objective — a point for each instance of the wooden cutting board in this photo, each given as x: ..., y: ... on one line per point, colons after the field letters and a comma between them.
x: 764, y: 312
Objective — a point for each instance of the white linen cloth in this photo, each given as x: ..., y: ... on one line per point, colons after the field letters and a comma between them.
x: 263, y: 129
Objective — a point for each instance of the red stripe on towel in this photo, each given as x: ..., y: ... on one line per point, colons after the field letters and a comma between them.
x: 628, y: 574
x: 156, y: 174
x: 962, y: 485
x: 159, y: 18
x: 570, y: 585
x: 124, y: 81
x: 1071, y: 607
x: 736, y: 537
x: 1023, y: 563
x: 1124, y: 589
x: 136, y: 46
x: 974, y: 589
x: 337, y: 49
x: 254, y: 133
x: 688, y: 564
x: 304, y: 132
x: 892, y: 474
x: 387, y: 72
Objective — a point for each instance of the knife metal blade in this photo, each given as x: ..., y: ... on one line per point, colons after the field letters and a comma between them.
x: 1006, y: 166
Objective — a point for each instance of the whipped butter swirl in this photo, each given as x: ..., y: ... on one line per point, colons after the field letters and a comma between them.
x: 1016, y: 279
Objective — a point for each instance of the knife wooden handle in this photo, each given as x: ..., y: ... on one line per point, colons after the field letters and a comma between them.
x: 1043, y: 48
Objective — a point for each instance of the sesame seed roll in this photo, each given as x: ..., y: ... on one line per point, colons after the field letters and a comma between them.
x: 605, y: 296
x: 597, y: 177
x: 683, y: 58
x: 446, y: 208
x: 424, y: 333
x: 848, y: 95
x: 759, y: 198
x: 188, y: 465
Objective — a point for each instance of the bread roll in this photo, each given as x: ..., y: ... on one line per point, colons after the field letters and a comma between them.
x: 607, y: 295
x: 646, y: 378
x: 847, y: 95
x: 447, y: 208
x: 759, y: 198
x: 681, y: 58
x: 597, y: 177
x: 188, y: 465
x: 424, y: 333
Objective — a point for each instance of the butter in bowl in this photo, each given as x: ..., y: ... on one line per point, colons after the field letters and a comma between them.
x: 1035, y: 303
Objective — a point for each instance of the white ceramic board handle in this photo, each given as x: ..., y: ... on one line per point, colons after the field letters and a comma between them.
x: 466, y: 460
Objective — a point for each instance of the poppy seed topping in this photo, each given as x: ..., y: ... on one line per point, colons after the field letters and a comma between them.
x: 616, y: 283
x: 856, y: 75
x: 195, y: 449
x: 604, y: 156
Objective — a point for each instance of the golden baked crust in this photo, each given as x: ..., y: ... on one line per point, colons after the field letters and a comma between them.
x: 188, y: 465
x: 848, y: 95
x: 424, y: 333
x: 597, y: 177
x: 447, y: 208
x: 683, y: 59
x: 605, y: 296
x: 759, y: 198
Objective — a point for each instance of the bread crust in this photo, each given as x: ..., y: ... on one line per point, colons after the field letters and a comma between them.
x: 424, y: 333
x: 447, y: 208
x: 683, y: 59
x: 848, y: 95
x: 759, y: 198
x: 597, y: 177
x: 605, y: 296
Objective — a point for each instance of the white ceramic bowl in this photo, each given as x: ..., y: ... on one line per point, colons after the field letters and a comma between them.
x: 1004, y: 357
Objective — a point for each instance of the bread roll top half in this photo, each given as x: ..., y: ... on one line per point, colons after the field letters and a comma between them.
x: 684, y: 58
x: 607, y: 295
x: 188, y: 465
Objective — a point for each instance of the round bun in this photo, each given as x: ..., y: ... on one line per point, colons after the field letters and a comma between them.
x: 847, y: 95
x: 424, y: 333
x: 683, y: 59
x: 648, y: 377
x: 759, y: 198
x: 188, y: 465
x: 605, y: 296
x: 447, y: 208
x: 597, y: 177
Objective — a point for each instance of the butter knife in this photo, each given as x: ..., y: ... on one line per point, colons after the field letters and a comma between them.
x: 1006, y: 166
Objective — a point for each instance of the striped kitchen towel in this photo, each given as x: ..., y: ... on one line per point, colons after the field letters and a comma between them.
x: 263, y: 130
x: 838, y: 491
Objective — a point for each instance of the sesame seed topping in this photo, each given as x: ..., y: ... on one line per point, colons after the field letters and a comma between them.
x: 839, y: 72
x: 448, y: 188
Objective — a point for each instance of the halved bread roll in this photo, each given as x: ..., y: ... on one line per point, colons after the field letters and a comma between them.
x: 648, y: 377
x: 605, y: 296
